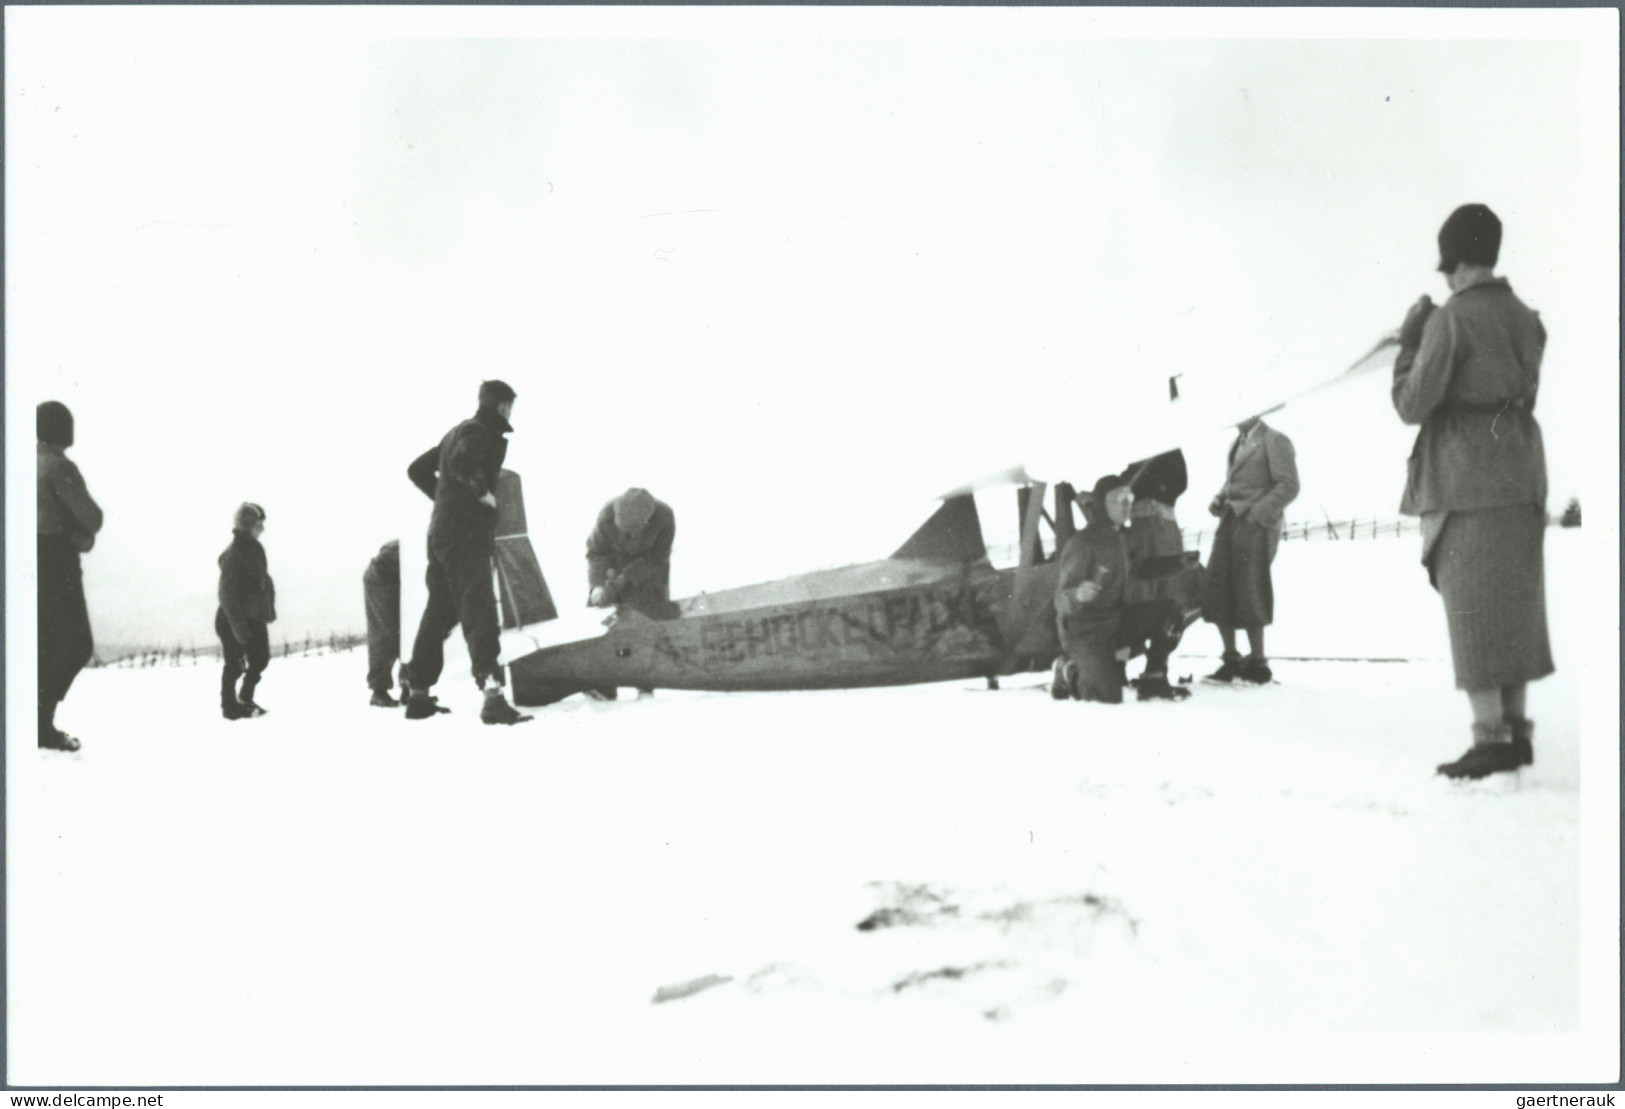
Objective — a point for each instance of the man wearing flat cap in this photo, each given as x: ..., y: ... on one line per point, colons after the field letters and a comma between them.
x: 460, y: 476
x: 629, y: 554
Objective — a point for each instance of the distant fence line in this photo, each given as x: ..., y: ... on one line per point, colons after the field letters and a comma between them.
x: 331, y: 644
x: 1371, y: 527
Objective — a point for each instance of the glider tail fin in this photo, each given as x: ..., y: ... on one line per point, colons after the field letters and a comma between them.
x: 953, y: 533
x: 525, y: 596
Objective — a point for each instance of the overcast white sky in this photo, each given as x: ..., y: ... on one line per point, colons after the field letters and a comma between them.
x: 795, y: 271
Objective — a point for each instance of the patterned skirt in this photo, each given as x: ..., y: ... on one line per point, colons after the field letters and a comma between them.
x: 1489, y: 568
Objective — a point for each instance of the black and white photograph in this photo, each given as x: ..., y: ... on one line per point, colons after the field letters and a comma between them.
x: 623, y: 547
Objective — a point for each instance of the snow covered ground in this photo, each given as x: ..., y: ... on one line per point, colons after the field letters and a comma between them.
x: 937, y: 884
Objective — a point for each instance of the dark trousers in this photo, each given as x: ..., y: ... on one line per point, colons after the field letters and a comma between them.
x: 383, y: 600
x: 1152, y: 628
x: 249, y: 658
x: 65, y: 645
x: 459, y: 580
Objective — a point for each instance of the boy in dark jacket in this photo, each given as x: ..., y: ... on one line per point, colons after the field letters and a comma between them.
x: 1102, y: 619
x: 247, y: 607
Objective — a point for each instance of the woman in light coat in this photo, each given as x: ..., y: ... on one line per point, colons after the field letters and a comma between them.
x: 1468, y: 373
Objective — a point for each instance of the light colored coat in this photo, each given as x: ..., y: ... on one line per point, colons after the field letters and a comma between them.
x: 1472, y: 386
x: 1263, y: 476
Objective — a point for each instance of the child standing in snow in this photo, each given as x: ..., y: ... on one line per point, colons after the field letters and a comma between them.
x: 247, y: 607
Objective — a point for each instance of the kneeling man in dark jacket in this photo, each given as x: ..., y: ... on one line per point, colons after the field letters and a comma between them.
x: 1103, y: 619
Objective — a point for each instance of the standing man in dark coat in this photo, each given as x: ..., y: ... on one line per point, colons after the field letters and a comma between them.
x: 68, y: 520
x: 247, y: 608
x: 381, y: 590
x: 460, y: 475
x: 1262, y: 479
x: 629, y: 554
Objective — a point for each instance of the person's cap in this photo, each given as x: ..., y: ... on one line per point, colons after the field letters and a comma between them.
x: 1471, y: 236
x: 248, y: 514
x: 633, y: 509
x: 494, y: 392
x: 53, y: 424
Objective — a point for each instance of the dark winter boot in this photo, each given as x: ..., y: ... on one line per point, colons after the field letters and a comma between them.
x: 1491, y: 753
x: 1229, y: 670
x: 1523, y: 739
x: 1065, y: 681
x: 231, y: 708
x: 1155, y: 687
x: 421, y: 706
x: 1256, y: 671
x: 382, y: 699
x: 496, y: 709
x: 247, y: 710
x: 52, y: 738
x: 59, y: 741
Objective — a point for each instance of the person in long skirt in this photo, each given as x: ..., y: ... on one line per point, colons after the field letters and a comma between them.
x: 1468, y: 373
x: 68, y: 521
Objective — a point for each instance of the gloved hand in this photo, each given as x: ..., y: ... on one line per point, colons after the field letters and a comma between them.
x: 1216, y: 505
x: 1410, y: 332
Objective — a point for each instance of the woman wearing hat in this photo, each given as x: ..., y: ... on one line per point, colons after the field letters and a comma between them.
x: 1468, y: 373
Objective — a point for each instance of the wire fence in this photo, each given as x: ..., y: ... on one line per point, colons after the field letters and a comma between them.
x: 1372, y: 528
x: 331, y: 644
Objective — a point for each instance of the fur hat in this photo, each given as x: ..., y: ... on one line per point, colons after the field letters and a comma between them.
x: 248, y: 514
x: 53, y: 424
x: 494, y: 392
x: 1094, y: 502
x: 633, y: 509
x: 1471, y: 236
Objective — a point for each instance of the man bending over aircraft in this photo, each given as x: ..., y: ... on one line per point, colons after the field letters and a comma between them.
x: 629, y: 555
x: 460, y: 475
x: 1101, y: 625
x: 629, y: 559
